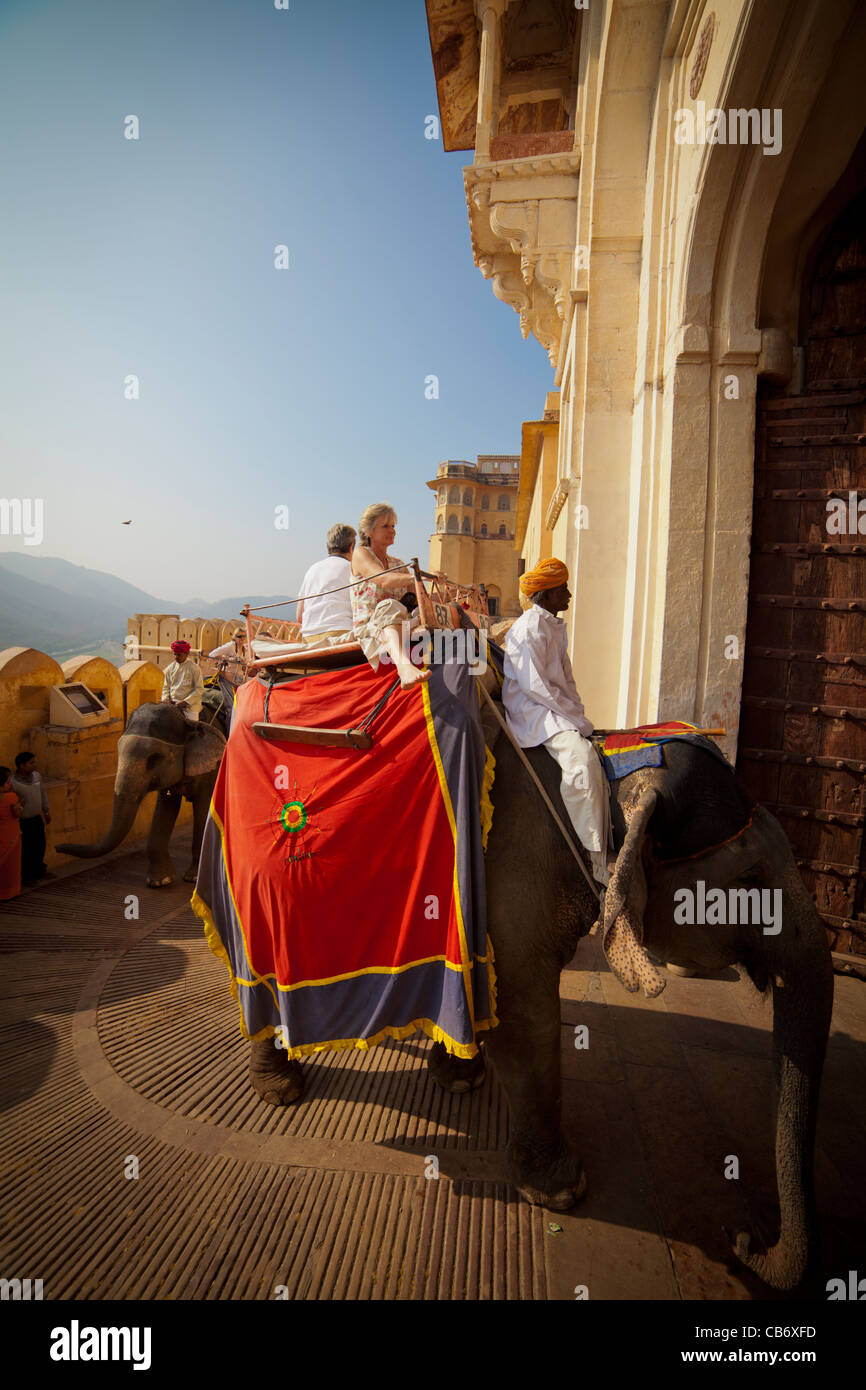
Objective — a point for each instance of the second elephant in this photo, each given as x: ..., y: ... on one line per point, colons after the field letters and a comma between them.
x: 178, y: 758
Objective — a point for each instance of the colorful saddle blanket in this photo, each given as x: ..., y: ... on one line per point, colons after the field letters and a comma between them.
x: 627, y: 750
x: 344, y: 889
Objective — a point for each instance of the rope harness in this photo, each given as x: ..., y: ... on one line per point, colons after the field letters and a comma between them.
x: 366, y: 723
x: 365, y: 579
x: 542, y: 793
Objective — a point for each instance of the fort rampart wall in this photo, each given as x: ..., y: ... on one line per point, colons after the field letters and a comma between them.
x: 78, y: 765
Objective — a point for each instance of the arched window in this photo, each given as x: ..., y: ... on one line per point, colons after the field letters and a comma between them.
x: 484, y: 528
x: 443, y: 496
x: 452, y: 523
x: 467, y: 498
x: 503, y: 503
x: 467, y: 526
x: 440, y: 523
x: 502, y: 529
x: 454, y: 496
x: 485, y: 502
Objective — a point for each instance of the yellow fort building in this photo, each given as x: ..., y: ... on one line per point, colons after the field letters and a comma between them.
x: 476, y: 512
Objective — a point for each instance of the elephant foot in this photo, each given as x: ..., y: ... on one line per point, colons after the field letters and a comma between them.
x: 160, y: 882
x: 562, y: 1200
x: 455, y: 1074
x: 191, y: 874
x: 273, y: 1076
x: 554, y: 1179
x: 780, y: 1267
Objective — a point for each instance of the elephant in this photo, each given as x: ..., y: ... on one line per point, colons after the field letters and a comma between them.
x: 539, y: 904
x: 161, y: 750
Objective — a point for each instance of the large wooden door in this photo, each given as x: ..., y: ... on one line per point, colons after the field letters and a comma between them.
x: 802, y: 742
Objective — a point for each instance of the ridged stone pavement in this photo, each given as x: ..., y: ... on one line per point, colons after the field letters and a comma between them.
x: 121, y: 1053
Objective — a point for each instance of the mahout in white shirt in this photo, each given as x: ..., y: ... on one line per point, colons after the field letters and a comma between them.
x: 544, y: 708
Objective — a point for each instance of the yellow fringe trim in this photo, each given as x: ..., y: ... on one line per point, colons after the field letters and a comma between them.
x: 212, y: 937
x: 432, y: 1030
x: 486, y: 803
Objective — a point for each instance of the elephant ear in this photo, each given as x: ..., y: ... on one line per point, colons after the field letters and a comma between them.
x: 203, y: 750
x: 625, y: 900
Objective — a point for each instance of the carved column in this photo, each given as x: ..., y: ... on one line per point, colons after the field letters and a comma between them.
x: 490, y: 13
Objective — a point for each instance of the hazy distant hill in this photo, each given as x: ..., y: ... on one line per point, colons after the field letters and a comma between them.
x: 64, y: 609
x: 80, y: 583
x: 230, y: 607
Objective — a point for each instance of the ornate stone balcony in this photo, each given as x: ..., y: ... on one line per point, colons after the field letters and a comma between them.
x: 522, y: 218
x: 456, y: 470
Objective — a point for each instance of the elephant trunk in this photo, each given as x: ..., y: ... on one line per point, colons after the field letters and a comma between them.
x: 802, y: 1005
x: 124, y: 813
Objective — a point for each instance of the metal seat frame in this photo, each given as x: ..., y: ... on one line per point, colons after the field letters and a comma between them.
x: 446, y: 606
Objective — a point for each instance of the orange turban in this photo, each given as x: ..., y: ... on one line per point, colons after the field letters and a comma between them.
x: 548, y: 574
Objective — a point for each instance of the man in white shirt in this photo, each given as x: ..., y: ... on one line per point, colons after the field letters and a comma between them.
x: 183, y: 683
x: 322, y: 613
x: 543, y: 707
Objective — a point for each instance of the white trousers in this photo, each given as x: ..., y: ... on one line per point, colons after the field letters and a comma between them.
x: 584, y: 791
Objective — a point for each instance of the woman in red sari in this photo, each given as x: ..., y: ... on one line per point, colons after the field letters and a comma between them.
x: 10, y: 838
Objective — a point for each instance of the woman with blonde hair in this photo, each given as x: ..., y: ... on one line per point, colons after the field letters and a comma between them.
x: 380, y: 618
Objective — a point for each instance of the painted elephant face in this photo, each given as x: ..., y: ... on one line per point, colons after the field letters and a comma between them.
x: 161, y: 749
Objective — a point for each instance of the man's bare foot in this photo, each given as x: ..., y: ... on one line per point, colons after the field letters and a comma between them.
x: 413, y: 675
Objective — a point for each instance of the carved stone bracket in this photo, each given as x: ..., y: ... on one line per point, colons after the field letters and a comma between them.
x: 558, y: 499
x: 522, y: 218
x: 504, y: 271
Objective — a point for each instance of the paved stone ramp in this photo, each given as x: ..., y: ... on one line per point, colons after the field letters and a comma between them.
x: 120, y: 1042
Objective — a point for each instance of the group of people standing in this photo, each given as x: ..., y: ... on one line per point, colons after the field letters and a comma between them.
x: 24, y: 815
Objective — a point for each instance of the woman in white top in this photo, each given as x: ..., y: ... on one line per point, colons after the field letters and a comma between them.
x: 381, y: 621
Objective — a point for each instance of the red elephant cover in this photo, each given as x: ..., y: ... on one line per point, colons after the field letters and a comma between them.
x: 344, y: 889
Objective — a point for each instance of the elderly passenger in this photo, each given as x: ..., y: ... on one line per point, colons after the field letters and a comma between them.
x: 325, y: 609
x: 382, y: 620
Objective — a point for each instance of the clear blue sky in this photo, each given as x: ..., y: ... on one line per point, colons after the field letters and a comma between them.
x: 259, y: 387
